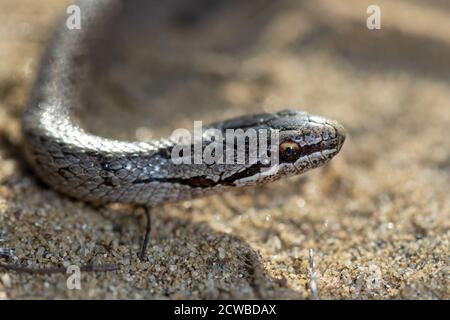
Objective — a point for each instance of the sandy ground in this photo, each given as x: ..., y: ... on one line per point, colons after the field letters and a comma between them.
x: 376, y: 218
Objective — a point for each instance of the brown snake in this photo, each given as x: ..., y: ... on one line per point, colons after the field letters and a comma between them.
x: 101, y: 170
x: 97, y: 169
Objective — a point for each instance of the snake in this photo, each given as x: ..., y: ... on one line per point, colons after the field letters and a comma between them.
x: 92, y: 168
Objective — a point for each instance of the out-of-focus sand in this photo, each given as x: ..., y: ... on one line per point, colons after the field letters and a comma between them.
x: 377, y: 217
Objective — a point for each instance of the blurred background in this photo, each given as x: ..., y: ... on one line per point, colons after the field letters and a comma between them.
x: 377, y: 217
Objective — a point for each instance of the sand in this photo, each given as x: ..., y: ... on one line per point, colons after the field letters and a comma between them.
x: 376, y: 219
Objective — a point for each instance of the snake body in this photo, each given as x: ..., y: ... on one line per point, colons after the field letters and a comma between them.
x: 96, y: 169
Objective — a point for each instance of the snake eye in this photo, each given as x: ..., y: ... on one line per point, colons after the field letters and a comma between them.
x: 289, y: 151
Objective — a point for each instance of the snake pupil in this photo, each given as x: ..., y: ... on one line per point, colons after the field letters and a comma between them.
x: 289, y: 151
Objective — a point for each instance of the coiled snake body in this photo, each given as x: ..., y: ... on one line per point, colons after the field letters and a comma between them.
x: 96, y: 169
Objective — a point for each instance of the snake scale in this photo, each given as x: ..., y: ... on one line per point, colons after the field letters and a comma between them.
x: 101, y: 170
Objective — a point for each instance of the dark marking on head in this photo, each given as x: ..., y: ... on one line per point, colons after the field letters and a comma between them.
x: 250, y: 171
x: 289, y: 152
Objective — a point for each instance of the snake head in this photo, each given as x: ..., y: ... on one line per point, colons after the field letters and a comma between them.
x: 304, y: 142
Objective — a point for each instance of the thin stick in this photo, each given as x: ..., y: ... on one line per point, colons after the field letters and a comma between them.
x: 312, y: 275
x: 147, y: 233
